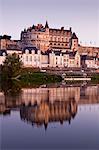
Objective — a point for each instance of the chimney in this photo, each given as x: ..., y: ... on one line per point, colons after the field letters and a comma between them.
x: 70, y: 29
x: 62, y: 28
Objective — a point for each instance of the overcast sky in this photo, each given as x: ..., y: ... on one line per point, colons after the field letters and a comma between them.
x: 81, y: 15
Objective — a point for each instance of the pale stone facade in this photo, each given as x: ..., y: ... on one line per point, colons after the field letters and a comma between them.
x: 89, y: 62
x: 44, y: 60
x: 31, y: 57
x: 8, y: 44
x: 92, y: 63
x: 46, y: 38
x: 66, y: 59
x: 37, y: 36
x: 88, y: 50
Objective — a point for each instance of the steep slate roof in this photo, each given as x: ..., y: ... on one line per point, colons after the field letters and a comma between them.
x: 57, y: 53
x: 52, y: 29
x: 71, y: 54
x: 85, y: 57
x: 46, y: 25
x: 30, y: 49
x: 46, y: 52
x: 60, y: 47
x: 74, y: 36
x: 37, y: 28
x: 3, y: 51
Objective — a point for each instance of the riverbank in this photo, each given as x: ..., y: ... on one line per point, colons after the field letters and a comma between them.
x: 33, y: 77
x: 95, y: 78
x: 29, y: 77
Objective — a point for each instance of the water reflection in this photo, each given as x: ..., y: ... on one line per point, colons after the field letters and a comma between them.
x: 46, y: 112
x: 41, y: 106
x: 11, y: 87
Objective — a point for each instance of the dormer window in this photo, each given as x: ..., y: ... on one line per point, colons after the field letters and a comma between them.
x: 33, y: 52
x: 27, y: 51
x: 4, y: 54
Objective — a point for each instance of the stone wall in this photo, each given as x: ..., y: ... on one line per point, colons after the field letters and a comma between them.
x: 91, y: 51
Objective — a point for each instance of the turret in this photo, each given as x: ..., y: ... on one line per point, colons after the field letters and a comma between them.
x: 74, y: 42
x: 46, y: 25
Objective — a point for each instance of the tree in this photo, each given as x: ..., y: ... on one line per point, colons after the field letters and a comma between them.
x: 11, y: 67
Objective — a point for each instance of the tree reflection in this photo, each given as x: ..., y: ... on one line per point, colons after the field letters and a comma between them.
x: 11, y: 87
x: 11, y: 98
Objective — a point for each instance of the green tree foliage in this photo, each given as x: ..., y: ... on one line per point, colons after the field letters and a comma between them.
x: 11, y: 67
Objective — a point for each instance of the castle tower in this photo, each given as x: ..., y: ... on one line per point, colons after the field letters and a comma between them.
x: 74, y: 42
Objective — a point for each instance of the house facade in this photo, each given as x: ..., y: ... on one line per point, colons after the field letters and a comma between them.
x: 33, y: 57
x: 89, y: 62
x: 64, y: 59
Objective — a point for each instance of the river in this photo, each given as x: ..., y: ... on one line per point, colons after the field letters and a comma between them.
x: 50, y: 117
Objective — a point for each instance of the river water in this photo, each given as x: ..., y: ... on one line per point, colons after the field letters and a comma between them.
x: 50, y: 117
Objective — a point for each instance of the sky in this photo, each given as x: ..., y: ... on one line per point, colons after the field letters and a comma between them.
x: 81, y: 15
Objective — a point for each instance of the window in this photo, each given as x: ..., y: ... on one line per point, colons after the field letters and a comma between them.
x: 35, y: 58
x: 26, y: 58
x: 62, y: 39
x: 54, y: 38
x: 50, y: 38
x: 30, y: 58
x: 64, y: 60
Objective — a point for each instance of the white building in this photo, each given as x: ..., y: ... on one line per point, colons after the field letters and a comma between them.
x: 3, y: 55
x: 90, y: 61
x: 33, y: 57
x: 64, y: 59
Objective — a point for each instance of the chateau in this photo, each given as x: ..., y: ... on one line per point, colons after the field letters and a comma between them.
x: 42, y: 46
x: 45, y: 38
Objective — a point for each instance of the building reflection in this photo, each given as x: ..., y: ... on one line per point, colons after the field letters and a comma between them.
x: 41, y: 106
x: 46, y: 112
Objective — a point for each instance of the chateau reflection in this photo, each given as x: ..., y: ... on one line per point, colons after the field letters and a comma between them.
x: 46, y: 112
x: 40, y: 106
